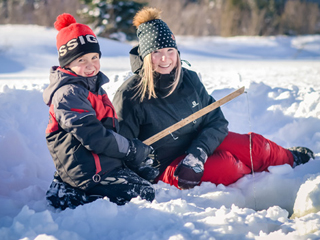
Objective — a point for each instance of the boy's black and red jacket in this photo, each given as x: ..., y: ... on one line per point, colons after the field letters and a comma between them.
x: 82, y: 130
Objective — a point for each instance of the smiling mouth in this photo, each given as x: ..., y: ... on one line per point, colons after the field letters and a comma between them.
x: 90, y: 74
x: 165, y: 66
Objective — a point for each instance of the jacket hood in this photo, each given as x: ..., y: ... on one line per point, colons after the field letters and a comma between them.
x: 136, y: 60
x: 60, y: 77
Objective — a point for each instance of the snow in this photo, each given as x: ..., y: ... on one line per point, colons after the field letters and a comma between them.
x: 282, y: 79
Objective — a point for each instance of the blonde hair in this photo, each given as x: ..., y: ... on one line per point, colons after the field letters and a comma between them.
x: 146, y: 85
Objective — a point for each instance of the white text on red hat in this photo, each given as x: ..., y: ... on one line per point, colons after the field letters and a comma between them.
x: 73, y: 43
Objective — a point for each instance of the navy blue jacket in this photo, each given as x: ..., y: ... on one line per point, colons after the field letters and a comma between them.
x: 144, y: 119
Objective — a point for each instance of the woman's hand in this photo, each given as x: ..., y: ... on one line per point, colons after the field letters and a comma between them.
x: 190, y: 170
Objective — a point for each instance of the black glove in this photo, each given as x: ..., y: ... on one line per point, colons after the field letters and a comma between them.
x: 140, y: 159
x: 137, y: 153
x: 190, y: 170
x: 147, y: 171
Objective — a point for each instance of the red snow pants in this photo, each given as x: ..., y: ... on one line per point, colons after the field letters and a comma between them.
x: 232, y: 160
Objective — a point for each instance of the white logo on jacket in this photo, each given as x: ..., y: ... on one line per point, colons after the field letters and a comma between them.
x: 194, y: 104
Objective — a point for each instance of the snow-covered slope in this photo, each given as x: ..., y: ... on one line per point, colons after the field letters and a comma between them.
x: 282, y: 79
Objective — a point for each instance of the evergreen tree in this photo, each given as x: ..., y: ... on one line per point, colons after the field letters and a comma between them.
x: 112, y: 18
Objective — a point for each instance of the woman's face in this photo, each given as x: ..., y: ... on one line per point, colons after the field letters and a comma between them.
x: 164, y: 60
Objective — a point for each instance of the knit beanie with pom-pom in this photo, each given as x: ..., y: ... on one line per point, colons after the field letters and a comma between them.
x: 153, y: 33
x: 74, y: 39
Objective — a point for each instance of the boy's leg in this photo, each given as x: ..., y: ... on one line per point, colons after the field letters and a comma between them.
x: 264, y: 152
x: 61, y: 195
x: 121, y: 185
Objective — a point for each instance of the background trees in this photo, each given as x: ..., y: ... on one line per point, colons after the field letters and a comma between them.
x: 113, y: 18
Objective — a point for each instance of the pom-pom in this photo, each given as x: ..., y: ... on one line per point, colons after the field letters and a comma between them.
x: 145, y: 15
x: 64, y: 20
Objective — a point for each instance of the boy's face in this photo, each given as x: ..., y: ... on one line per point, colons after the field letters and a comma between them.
x: 87, y: 65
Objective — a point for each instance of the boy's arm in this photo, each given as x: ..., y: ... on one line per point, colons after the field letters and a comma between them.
x: 75, y: 114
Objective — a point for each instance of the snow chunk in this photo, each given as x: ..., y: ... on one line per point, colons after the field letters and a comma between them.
x: 308, y: 196
x: 280, y: 170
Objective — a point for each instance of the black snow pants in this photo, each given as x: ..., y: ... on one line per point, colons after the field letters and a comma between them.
x: 120, y: 186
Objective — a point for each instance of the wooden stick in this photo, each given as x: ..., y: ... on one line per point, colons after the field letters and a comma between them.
x: 193, y: 117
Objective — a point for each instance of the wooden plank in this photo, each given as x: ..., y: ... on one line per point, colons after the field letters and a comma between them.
x: 193, y: 117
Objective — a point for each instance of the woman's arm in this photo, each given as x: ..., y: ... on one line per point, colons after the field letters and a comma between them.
x: 213, y: 128
x: 128, y: 112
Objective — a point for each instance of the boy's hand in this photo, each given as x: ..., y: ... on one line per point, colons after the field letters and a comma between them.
x: 137, y: 152
x: 140, y: 158
x: 147, y: 171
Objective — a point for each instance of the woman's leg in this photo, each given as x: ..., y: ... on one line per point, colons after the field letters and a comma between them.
x: 264, y: 152
x: 232, y: 159
x: 223, y: 168
x: 220, y: 168
x: 167, y: 175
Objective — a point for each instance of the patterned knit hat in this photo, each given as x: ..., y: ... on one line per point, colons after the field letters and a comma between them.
x: 74, y: 39
x: 152, y: 32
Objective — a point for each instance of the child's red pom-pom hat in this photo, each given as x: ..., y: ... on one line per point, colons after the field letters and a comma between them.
x: 74, y: 39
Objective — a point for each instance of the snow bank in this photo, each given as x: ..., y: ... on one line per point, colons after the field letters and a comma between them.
x: 281, y: 75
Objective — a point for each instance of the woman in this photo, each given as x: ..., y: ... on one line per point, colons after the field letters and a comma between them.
x: 162, y: 93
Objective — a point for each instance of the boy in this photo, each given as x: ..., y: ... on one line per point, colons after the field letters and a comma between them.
x: 88, y: 153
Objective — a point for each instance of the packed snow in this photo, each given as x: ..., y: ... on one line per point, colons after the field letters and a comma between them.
x: 282, y: 102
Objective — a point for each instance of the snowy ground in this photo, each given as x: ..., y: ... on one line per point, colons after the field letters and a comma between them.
x: 282, y: 79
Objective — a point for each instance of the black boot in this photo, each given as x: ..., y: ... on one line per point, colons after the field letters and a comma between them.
x: 61, y: 195
x: 301, y: 155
